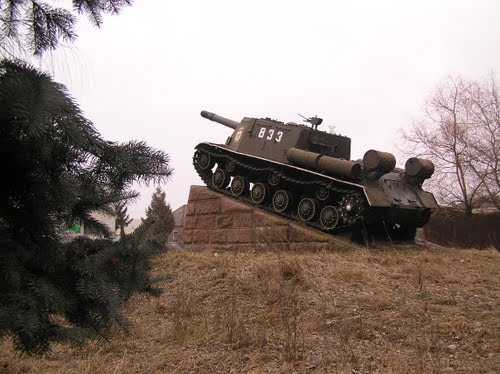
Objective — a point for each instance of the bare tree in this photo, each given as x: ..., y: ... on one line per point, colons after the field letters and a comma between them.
x: 461, y: 135
x: 484, y: 145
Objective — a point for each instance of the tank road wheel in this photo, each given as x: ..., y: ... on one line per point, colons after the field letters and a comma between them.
x: 329, y: 217
x: 239, y: 185
x: 281, y: 201
x: 307, y: 209
x: 322, y: 193
x: 351, y: 208
x: 230, y: 165
x: 259, y: 193
x: 273, y: 179
x: 220, y: 178
x: 203, y: 160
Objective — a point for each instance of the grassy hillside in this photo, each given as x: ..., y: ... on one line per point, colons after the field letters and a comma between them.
x: 389, y: 310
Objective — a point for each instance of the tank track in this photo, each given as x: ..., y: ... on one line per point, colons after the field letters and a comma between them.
x: 350, y: 206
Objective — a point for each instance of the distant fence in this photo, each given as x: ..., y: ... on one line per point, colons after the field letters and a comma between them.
x: 449, y: 227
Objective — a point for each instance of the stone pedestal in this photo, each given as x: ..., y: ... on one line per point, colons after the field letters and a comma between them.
x: 214, y: 220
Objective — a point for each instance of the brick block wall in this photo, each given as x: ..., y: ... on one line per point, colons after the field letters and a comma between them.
x: 215, y: 220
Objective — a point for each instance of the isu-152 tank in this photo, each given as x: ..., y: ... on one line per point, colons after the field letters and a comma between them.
x: 306, y: 175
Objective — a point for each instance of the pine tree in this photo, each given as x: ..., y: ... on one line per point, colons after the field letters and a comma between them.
x: 122, y: 219
x: 56, y: 169
x: 159, y: 217
x: 40, y: 27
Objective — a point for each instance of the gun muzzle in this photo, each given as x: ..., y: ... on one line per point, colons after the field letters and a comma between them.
x: 219, y: 119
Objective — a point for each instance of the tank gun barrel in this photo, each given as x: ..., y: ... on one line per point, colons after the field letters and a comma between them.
x: 219, y: 119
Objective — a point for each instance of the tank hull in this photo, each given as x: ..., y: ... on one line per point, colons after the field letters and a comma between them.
x: 383, y: 208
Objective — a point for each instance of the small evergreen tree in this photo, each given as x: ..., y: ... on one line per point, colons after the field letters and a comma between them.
x: 122, y: 218
x: 56, y: 170
x: 159, y: 218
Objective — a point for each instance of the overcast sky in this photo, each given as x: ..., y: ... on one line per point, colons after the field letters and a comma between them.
x: 366, y: 67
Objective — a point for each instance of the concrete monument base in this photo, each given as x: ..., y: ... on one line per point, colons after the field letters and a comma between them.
x: 214, y: 220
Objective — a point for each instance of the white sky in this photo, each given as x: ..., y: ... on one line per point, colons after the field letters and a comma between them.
x: 366, y: 67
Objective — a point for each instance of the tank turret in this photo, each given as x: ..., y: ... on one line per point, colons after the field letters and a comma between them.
x: 306, y: 175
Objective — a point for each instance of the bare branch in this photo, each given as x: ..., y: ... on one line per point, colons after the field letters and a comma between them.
x: 461, y: 135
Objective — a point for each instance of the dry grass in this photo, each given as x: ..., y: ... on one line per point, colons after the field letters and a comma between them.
x: 388, y: 310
